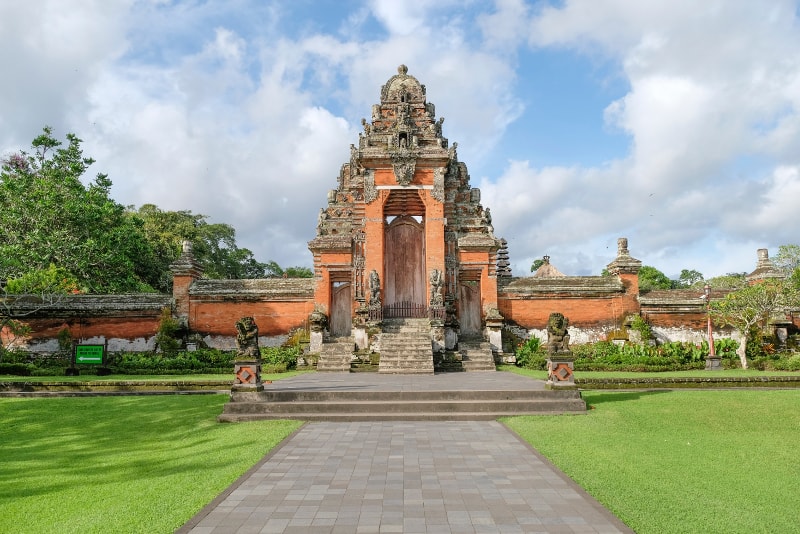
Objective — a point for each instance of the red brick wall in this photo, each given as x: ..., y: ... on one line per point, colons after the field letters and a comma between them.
x: 582, y: 312
x: 218, y: 318
x: 128, y: 328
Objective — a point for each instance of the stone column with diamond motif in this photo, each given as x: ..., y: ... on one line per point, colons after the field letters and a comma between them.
x: 247, y: 385
x: 560, y: 360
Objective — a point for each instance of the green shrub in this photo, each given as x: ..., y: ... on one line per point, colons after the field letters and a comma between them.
x: 167, y: 337
x: 18, y: 369
x: 640, y: 325
x: 531, y: 354
x: 277, y: 356
x: 673, y: 356
x: 199, y: 361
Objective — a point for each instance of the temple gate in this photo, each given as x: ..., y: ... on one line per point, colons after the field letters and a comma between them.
x: 404, y: 210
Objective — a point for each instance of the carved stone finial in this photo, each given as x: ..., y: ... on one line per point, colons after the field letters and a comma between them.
x: 622, y: 246
x: 623, y: 263
x: 186, y: 246
x: 402, y: 70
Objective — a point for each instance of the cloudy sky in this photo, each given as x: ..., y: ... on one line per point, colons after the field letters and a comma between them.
x: 674, y: 123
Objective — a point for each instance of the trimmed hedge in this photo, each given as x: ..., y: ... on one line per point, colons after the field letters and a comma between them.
x: 200, y: 361
x: 609, y: 356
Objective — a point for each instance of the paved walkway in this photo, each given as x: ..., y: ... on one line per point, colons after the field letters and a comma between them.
x: 410, y: 477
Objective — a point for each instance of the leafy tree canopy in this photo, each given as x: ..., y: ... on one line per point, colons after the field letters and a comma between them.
x: 56, y: 230
x: 754, y: 305
x: 276, y: 271
x: 788, y: 258
x: 214, y: 245
x: 690, y: 278
x: 536, y: 264
x: 651, y: 278
x: 50, y: 217
x: 728, y: 281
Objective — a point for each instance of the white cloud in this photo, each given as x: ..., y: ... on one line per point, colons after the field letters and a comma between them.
x: 185, y: 105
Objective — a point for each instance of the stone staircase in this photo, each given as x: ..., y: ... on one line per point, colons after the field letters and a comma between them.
x: 476, y: 355
x: 336, y: 355
x: 403, y: 405
x: 405, y: 347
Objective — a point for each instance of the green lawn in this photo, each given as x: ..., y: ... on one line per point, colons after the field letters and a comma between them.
x: 682, y: 461
x: 137, y: 378
x: 699, y: 373
x: 120, y: 464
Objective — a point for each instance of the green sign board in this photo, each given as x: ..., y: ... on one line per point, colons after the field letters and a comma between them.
x: 89, y: 354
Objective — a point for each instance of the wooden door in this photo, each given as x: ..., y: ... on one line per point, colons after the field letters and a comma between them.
x: 470, y: 308
x: 404, y: 265
x: 341, y: 309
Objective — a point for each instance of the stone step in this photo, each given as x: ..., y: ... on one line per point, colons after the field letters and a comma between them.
x: 336, y: 355
x: 404, y: 406
x: 375, y: 416
x: 477, y: 356
x: 272, y: 394
x: 407, y: 352
x: 471, y: 406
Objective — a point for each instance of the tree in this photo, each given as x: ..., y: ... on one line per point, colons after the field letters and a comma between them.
x: 49, y: 217
x: 536, y: 264
x: 276, y: 271
x: 214, y: 245
x: 753, y: 306
x: 651, y: 278
x: 299, y: 272
x: 728, y: 281
x: 788, y: 260
x: 690, y: 278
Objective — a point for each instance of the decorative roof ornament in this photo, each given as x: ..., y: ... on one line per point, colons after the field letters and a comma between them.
x: 624, y: 263
x: 546, y: 270
x: 764, y: 268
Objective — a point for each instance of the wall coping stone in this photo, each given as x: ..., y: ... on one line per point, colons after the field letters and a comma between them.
x: 261, y: 287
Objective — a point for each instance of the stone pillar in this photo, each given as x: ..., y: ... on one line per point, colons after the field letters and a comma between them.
x: 560, y: 360
x: 360, y: 334
x: 185, y: 270
x: 494, y: 332
x: 318, y: 321
x: 438, y: 338
x: 561, y: 371
x: 247, y: 384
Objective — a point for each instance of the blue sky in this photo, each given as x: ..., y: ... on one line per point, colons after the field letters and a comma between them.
x: 673, y: 123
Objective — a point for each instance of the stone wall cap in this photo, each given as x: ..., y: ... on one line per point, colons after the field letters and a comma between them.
x: 268, y: 287
x: 530, y: 284
x: 72, y: 305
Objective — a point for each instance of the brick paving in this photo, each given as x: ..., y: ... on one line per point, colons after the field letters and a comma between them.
x: 409, y: 477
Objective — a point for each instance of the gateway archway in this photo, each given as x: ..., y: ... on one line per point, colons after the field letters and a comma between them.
x: 404, y: 268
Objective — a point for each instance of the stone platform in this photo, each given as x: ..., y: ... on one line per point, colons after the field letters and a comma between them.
x: 388, y: 397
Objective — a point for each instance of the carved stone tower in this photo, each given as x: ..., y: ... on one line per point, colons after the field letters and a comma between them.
x: 404, y: 216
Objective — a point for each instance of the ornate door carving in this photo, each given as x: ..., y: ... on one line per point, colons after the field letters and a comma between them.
x: 470, y: 307
x: 341, y: 309
x: 405, y: 262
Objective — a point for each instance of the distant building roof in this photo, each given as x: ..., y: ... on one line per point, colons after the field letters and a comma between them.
x: 547, y: 270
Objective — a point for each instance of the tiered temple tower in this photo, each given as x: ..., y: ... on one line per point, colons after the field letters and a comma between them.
x: 404, y: 234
